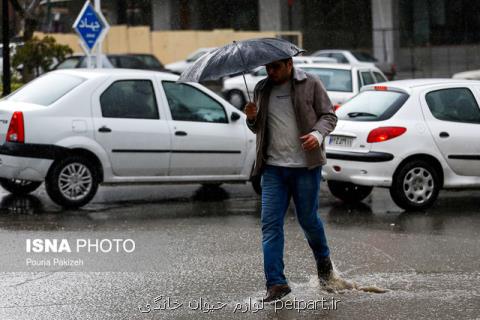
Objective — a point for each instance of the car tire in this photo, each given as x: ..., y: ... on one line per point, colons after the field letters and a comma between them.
x: 237, y: 99
x: 19, y: 187
x: 348, y: 192
x: 257, y: 184
x: 415, y: 186
x: 72, y: 182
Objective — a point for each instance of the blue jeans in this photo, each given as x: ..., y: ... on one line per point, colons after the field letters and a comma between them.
x: 279, y: 184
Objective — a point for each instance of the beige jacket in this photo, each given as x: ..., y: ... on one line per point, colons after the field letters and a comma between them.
x: 313, y: 111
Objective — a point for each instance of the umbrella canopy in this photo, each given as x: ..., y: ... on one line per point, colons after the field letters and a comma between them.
x: 239, y: 57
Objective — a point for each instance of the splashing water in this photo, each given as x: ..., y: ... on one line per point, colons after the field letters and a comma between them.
x: 337, y: 284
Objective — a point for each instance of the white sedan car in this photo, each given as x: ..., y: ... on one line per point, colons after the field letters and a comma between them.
x: 467, y: 75
x: 179, y: 66
x: 78, y: 128
x: 358, y: 57
x: 414, y: 137
x: 342, y: 81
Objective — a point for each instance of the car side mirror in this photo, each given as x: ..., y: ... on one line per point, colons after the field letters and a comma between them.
x: 235, y: 116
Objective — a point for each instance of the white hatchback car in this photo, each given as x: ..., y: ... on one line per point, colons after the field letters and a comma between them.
x: 412, y: 136
x: 77, y: 128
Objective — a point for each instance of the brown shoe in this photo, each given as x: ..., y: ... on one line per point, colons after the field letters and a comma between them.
x: 276, y: 292
x: 324, y: 270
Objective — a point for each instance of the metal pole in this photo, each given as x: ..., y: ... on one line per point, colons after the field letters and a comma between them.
x: 244, y: 67
x: 98, y: 8
x: 246, y: 87
x: 6, y: 48
x: 49, y: 16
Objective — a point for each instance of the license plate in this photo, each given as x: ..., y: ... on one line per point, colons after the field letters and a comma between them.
x: 340, y: 141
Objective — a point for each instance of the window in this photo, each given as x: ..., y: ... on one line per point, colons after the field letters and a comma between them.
x: 149, y: 61
x: 190, y: 104
x: 363, y: 56
x: 132, y: 99
x: 339, y: 57
x: 367, y: 78
x: 372, y: 106
x: 455, y: 104
x: 134, y: 12
x: 68, y: 63
x: 379, y: 77
x: 127, y: 62
x: 46, y: 89
x: 333, y: 79
x: 439, y: 22
x: 261, y: 72
x: 197, y: 54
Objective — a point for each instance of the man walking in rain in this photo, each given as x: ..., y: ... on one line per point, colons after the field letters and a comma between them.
x: 291, y: 115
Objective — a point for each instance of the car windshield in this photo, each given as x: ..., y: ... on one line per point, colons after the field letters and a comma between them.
x: 68, y: 63
x: 196, y: 55
x: 363, y: 57
x: 333, y: 79
x: 46, y: 89
x: 127, y: 62
x: 372, y: 106
x: 260, y: 72
x: 149, y: 61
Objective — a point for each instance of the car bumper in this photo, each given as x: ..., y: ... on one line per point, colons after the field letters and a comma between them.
x: 27, y: 161
x: 368, y: 169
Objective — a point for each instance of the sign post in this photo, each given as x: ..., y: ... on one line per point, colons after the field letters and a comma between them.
x: 91, y: 28
x: 98, y: 8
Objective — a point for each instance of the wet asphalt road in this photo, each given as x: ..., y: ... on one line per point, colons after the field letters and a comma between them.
x: 196, y: 244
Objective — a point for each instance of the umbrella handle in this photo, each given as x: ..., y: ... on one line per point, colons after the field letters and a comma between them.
x: 243, y: 73
x: 246, y: 87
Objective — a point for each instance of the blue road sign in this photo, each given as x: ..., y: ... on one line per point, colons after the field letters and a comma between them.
x: 89, y: 25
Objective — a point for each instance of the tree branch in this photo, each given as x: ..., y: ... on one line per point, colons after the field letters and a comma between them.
x: 29, y: 12
x: 17, y: 7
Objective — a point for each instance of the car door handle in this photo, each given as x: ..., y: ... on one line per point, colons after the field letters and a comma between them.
x: 104, y: 129
x: 444, y: 134
x: 180, y: 133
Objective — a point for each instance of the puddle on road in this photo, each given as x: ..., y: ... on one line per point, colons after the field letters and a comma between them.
x: 339, y: 284
x: 312, y: 295
x: 447, y: 287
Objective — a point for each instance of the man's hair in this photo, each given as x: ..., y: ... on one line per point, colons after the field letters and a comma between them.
x: 285, y: 61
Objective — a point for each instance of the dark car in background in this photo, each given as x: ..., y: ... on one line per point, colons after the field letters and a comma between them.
x: 149, y: 60
x: 123, y: 61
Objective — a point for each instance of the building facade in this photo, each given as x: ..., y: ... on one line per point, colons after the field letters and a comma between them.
x: 425, y: 38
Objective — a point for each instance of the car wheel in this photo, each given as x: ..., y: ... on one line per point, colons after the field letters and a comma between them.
x: 348, y: 192
x: 236, y: 98
x: 256, y: 184
x: 415, y: 186
x: 19, y: 187
x: 72, y: 182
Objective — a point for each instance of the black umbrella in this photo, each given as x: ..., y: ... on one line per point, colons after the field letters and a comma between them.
x: 239, y: 57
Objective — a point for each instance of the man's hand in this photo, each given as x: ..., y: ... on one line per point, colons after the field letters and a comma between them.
x: 309, y: 142
x: 251, y: 111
